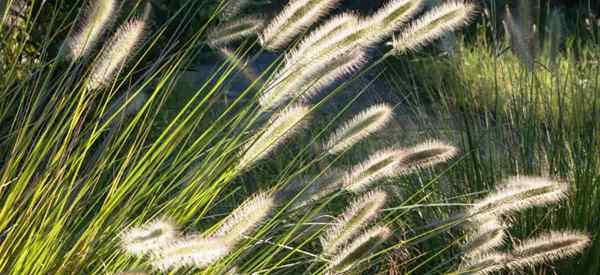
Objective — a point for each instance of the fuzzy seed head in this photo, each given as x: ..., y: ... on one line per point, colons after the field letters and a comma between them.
x: 427, y: 154
x: 115, y: 53
x: 380, y: 165
x: 99, y: 15
x: 359, y: 249
x: 244, y: 219
x: 485, y: 264
x: 488, y: 233
x: 307, y: 80
x: 388, y: 19
x: 280, y: 128
x: 519, y: 193
x: 233, y: 31
x: 445, y: 18
x: 355, y: 218
x: 549, y: 247
x: 150, y: 237
x: 191, y: 251
x: 296, y: 17
x: 358, y: 128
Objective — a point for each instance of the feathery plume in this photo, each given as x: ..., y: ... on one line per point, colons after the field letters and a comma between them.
x: 245, y: 218
x: 519, y: 193
x: 150, y: 237
x: 358, y: 249
x: 549, y: 247
x: 233, y: 31
x: 306, y: 80
x: 234, y: 8
x: 190, y: 252
x: 440, y: 20
x: 99, y: 15
x: 487, y: 234
x: 485, y: 264
x: 426, y: 154
x: 295, y: 18
x: 355, y: 218
x: 388, y: 19
x: 281, y: 127
x: 326, y: 34
x: 318, y: 188
x: 380, y: 165
x: 358, y: 128
x: 114, y: 54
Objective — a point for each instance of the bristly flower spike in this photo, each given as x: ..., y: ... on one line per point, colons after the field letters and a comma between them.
x: 233, y: 31
x: 358, y: 128
x: 295, y: 18
x: 425, y: 155
x: 115, y: 53
x: 381, y: 164
x: 190, y: 251
x: 549, y: 247
x: 355, y: 218
x: 442, y: 19
x: 388, y: 19
x: 485, y: 264
x: 488, y: 232
x: 357, y: 250
x: 244, y: 219
x: 281, y: 127
x: 518, y: 193
x: 99, y: 15
x: 150, y: 237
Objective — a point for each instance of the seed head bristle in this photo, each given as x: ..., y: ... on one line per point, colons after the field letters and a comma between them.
x: 244, y: 219
x: 485, y: 264
x: 98, y: 16
x: 487, y: 234
x: 115, y: 53
x: 427, y: 154
x: 549, y: 247
x: 307, y: 80
x: 357, y: 250
x: 358, y: 128
x: 443, y: 19
x: 388, y: 19
x: 355, y: 218
x: 296, y: 17
x: 329, y: 182
x: 191, y: 251
x: 381, y: 164
x: 323, y: 36
x: 149, y: 237
x: 281, y: 127
x: 233, y: 31
x: 519, y: 193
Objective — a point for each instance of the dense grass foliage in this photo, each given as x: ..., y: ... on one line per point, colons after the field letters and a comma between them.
x: 112, y: 162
